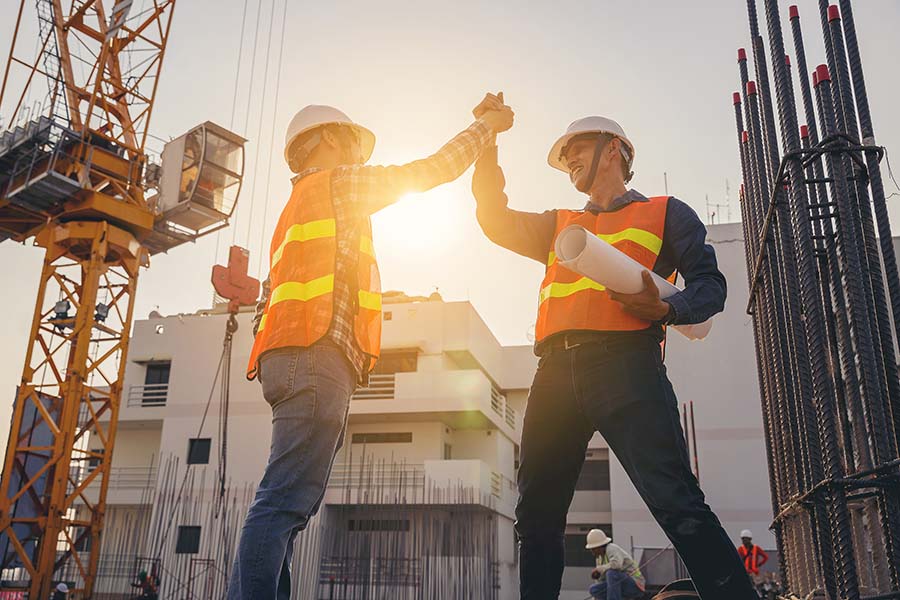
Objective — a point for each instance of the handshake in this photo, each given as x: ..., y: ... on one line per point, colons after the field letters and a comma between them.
x: 497, y: 115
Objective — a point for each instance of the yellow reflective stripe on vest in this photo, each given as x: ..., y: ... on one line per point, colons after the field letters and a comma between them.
x: 561, y: 290
x: 297, y: 290
x: 641, y: 237
x: 366, y: 246
x: 304, y: 232
x: 369, y: 300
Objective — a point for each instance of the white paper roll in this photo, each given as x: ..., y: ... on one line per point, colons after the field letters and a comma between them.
x: 578, y: 250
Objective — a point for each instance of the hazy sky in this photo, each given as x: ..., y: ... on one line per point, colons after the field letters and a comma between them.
x: 411, y: 71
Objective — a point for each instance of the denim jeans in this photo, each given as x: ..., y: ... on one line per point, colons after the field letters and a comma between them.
x: 617, y: 585
x: 619, y: 388
x: 309, y: 391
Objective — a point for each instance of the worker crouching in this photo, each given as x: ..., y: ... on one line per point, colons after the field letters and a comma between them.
x: 618, y: 574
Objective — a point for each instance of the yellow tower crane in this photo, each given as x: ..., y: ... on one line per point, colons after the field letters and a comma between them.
x: 75, y: 179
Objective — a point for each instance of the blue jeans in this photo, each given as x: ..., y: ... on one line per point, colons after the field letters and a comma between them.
x: 309, y: 391
x: 618, y: 585
x: 618, y: 387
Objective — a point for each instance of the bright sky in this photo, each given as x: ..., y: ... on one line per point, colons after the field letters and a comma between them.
x: 411, y: 71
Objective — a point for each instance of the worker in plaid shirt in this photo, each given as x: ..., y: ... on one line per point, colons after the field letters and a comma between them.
x: 309, y: 386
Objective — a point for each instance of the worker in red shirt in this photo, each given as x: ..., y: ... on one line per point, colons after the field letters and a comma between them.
x: 753, y: 556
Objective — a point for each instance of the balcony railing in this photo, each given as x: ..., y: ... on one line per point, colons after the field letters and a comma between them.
x: 381, y: 387
x: 122, y: 478
x: 510, y: 416
x: 130, y: 478
x: 151, y: 394
x: 497, y: 401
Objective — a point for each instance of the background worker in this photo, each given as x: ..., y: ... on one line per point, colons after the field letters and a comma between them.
x: 318, y: 331
x: 753, y: 556
x: 61, y: 592
x: 600, y: 362
x: 617, y: 571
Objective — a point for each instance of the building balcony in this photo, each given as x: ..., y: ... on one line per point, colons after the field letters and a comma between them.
x: 151, y: 394
x: 433, y: 482
x: 463, y: 399
x: 127, y: 485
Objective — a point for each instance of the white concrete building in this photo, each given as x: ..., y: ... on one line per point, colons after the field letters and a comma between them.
x: 429, y: 458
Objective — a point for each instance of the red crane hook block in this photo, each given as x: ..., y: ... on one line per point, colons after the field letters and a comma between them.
x: 233, y: 283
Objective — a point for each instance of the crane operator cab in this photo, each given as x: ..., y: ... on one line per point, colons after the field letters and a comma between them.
x: 199, y: 183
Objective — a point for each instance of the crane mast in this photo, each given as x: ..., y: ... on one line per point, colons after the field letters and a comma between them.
x: 75, y: 178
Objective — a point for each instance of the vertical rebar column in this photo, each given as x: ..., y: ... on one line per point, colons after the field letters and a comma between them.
x: 884, y: 342
x: 766, y: 385
x: 846, y: 364
x: 814, y: 316
x: 878, y: 197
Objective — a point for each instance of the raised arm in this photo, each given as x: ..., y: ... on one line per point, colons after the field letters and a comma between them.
x: 525, y: 233
x: 372, y: 188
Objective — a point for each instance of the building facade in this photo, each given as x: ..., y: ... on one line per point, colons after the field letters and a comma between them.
x: 421, y: 500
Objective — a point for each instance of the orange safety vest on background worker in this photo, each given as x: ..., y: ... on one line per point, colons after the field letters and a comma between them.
x: 751, y: 558
x: 570, y: 302
x: 302, y: 263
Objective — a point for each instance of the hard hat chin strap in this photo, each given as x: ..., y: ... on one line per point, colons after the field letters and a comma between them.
x: 602, y: 141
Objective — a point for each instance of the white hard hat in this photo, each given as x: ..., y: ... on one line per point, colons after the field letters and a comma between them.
x: 314, y: 116
x: 587, y: 125
x: 746, y: 534
x: 62, y: 588
x: 596, y: 538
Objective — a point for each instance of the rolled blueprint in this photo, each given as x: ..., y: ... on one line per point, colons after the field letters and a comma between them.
x: 578, y: 250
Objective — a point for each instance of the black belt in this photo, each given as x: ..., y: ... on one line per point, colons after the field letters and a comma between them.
x: 568, y: 340
x: 564, y: 341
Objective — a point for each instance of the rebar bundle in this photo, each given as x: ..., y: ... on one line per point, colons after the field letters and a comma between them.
x: 825, y: 300
x: 387, y: 532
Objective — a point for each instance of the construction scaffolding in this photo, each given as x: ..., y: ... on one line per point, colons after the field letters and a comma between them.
x: 825, y: 300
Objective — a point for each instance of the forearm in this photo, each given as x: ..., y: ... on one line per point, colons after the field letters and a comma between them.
x: 700, y: 300
x: 686, y: 250
x: 527, y: 234
x: 371, y: 188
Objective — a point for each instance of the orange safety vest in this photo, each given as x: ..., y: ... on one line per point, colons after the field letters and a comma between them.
x: 570, y: 302
x: 751, y: 558
x: 302, y: 270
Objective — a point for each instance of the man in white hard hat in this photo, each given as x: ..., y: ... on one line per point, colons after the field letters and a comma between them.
x: 318, y: 327
x: 61, y: 592
x: 601, y: 365
x: 753, y: 556
x: 618, y: 574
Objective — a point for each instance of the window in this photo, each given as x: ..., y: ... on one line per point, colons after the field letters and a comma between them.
x: 378, y: 525
x: 396, y: 362
x: 188, y: 540
x: 448, y: 452
x: 388, y: 315
x: 198, y: 451
x: 382, y: 438
x: 576, y: 554
x: 594, y: 476
x: 157, y: 373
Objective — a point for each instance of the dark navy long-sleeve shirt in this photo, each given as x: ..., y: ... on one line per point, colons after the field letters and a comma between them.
x: 684, y: 248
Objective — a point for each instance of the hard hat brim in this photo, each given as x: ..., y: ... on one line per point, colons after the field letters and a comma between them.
x: 600, y: 545
x: 554, y: 159
x: 366, y: 138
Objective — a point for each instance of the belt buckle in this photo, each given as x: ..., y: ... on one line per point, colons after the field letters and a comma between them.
x: 569, y: 346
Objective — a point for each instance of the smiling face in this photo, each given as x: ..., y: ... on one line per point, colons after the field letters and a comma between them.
x: 578, y: 156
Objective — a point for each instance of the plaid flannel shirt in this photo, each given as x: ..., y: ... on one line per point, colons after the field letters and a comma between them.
x: 357, y: 192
